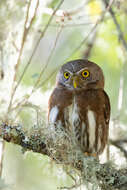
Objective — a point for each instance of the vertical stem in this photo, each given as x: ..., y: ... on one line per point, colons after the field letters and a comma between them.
x: 120, y: 96
x: 1, y: 63
x: 2, y: 145
x: 32, y: 55
x: 19, y: 56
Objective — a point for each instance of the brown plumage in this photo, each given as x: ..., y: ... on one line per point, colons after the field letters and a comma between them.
x: 80, y: 104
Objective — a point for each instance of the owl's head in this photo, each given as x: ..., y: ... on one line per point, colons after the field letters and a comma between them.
x: 80, y: 74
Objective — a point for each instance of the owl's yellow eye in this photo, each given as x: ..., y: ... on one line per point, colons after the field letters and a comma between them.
x: 66, y: 75
x: 85, y: 73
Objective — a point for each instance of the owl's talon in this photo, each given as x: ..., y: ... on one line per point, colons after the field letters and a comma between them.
x: 86, y: 153
x: 93, y: 155
x: 90, y: 154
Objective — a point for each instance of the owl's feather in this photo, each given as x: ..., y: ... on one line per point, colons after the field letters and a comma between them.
x: 53, y: 114
x: 92, y: 127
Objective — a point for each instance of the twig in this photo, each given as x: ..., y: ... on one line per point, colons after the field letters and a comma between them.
x: 29, y: 105
x: 93, y: 29
x: 33, y: 52
x: 78, y: 8
x: 62, y: 13
x: 120, y: 33
x: 120, y: 95
x: 2, y: 143
x: 71, y: 24
x: 32, y: 19
x: 36, y: 46
x: 71, y: 187
x: 1, y: 63
x: 19, y: 56
x: 48, y: 78
x: 124, y: 44
x: 35, y: 87
x: 118, y: 144
x: 90, y: 45
x: 15, y: 46
x: 23, y: 40
x: 48, y: 60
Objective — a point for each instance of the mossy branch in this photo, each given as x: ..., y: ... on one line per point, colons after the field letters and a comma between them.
x: 15, y: 134
x: 37, y: 140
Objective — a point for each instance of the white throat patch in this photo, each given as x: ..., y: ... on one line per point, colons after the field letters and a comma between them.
x: 74, y: 118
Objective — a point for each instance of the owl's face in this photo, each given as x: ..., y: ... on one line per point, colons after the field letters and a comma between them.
x: 80, y: 74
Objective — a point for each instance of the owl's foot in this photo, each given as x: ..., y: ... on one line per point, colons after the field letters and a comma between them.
x: 86, y: 153
x: 91, y: 154
x: 94, y: 155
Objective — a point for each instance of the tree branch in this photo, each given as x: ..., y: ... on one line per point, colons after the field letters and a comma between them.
x: 120, y: 33
x: 24, y: 37
x: 16, y: 135
x: 92, y: 30
x: 119, y: 144
x: 90, y: 45
x: 34, y: 50
x: 104, y: 176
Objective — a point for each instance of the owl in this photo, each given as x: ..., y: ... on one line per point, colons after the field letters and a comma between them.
x: 80, y: 105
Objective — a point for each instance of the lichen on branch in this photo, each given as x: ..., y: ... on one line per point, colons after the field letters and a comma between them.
x: 61, y: 147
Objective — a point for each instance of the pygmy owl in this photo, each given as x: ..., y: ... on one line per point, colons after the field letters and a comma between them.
x: 79, y: 104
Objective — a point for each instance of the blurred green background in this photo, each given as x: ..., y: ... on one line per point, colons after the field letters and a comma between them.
x: 71, y: 24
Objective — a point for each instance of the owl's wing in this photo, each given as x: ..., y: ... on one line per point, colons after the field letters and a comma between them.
x: 107, y: 108
x: 106, y: 111
x: 59, y: 100
x: 94, y: 112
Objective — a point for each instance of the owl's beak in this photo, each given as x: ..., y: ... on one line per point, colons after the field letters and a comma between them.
x: 75, y: 82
